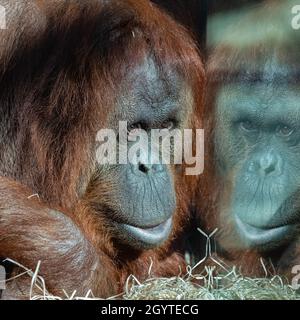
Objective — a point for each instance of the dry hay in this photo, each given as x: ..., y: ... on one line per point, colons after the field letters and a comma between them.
x: 228, y: 285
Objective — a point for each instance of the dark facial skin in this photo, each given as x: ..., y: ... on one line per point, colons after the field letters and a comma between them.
x: 258, y: 149
x: 142, y: 203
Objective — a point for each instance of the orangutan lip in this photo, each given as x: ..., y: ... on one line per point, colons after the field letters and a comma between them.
x: 259, y: 236
x: 151, y: 235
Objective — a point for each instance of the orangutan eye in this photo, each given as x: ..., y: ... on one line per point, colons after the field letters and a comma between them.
x: 170, y: 125
x: 248, y: 126
x: 284, y: 131
x: 134, y: 127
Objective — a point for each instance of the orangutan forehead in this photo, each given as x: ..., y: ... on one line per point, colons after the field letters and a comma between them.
x: 268, y: 70
x: 264, y: 76
x: 155, y: 82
